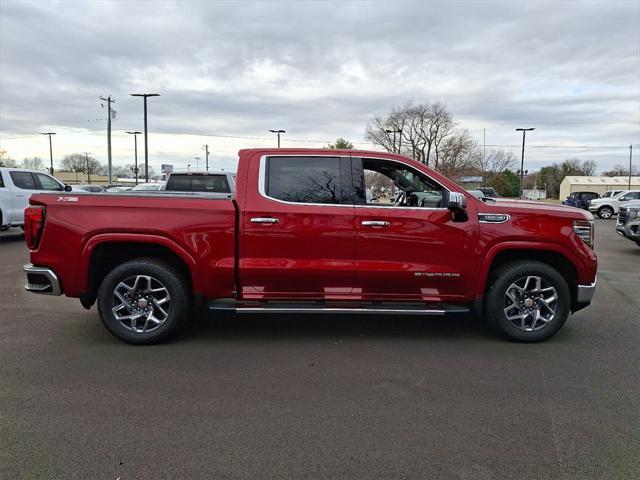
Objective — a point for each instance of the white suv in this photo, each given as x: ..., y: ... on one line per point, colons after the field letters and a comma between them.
x: 16, y: 186
x: 609, y: 206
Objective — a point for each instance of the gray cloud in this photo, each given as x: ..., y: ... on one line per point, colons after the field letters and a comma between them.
x: 321, y: 70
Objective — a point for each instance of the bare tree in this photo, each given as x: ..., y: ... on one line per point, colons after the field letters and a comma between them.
x: 589, y: 167
x: 458, y: 155
x: 76, y: 162
x: 414, y: 130
x: 35, y: 163
x: 6, y: 160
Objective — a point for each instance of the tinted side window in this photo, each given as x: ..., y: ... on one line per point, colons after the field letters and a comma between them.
x: 179, y: 183
x: 23, y: 180
x: 1, y: 181
x: 47, y: 183
x: 304, y: 179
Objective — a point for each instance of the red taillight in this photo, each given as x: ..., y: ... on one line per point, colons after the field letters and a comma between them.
x: 33, y: 224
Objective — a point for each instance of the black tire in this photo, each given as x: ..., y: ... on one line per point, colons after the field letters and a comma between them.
x: 162, y: 275
x: 605, y: 212
x: 498, y: 300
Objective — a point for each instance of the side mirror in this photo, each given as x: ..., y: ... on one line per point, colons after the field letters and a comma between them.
x: 67, y: 188
x: 457, y: 203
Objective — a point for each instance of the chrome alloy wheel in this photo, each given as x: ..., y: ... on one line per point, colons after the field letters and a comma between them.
x: 141, y: 303
x: 530, y: 303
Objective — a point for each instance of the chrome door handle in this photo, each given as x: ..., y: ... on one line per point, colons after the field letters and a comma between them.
x: 375, y: 223
x: 264, y: 220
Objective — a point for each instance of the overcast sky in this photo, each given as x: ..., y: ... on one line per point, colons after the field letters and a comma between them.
x: 319, y: 70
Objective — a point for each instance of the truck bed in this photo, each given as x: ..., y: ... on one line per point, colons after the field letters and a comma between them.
x: 200, y: 228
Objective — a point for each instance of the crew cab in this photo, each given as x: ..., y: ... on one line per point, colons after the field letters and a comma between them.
x: 16, y: 185
x: 300, y: 234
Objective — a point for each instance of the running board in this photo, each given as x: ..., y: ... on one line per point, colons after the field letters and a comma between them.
x: 379, y: 308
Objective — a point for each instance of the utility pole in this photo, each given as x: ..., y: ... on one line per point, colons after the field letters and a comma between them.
x: 399, y: 140
x: 135, y: 153
x: 524, y: 134
x: 630, y: 155
x: 86, y: 155
x: 206, y: 152
x: 50, y: 150
x: 278, y: 132
x: 109, y: 100
x: 146, y: 144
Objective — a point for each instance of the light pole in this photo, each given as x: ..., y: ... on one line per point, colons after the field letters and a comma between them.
x: 524, y: 134
x: 630, y: 154
x: 197, y: 159
x: 86, y: 156
x: 394, y: 138
x: 135, y: 153
x: 278, y: 132
x: 206, y: 151
x: 50, y: 150
x: 188, y: 166
x: 399, y: 140
x: 146, y: 143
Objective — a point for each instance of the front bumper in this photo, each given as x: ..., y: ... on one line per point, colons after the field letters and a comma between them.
x: 41, y: 280
x: 585, y: 292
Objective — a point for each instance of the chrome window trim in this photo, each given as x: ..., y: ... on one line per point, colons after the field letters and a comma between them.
x: 481, y: 214
x: 262, y: 178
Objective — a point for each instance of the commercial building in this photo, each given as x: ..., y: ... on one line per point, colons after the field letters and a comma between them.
x: 599, y: 185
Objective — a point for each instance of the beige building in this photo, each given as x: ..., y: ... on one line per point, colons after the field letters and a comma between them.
x: 599, y: 185
x: 71, y: 178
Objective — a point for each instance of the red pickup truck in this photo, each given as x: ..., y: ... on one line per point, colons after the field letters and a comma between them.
x: 330, y: 231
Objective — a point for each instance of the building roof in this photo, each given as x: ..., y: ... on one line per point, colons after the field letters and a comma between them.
x: 595, y: 180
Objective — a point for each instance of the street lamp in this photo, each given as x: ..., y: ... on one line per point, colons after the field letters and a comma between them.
x: 135, y: 153
x: 50, y: 149
x: 524, y: 134
x: 278, y: 132
x: 394, y: 139
x: 188, y: 166
x: 146, y: 144
x: 197, y: 159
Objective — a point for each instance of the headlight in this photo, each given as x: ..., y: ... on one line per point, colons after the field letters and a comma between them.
x: 584, y: 229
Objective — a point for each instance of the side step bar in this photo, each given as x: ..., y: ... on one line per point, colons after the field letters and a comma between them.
x: 379, y: 308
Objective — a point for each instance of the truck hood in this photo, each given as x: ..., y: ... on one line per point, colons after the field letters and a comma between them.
x: 529, y: 207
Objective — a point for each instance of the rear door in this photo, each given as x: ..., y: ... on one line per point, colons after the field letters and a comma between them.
x: 24, y: 184
x: 297, y: 228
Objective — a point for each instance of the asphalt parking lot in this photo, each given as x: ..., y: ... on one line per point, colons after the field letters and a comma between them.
x: 321, y: 397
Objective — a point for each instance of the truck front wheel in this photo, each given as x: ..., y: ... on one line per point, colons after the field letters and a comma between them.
x: 528, y: 301
x: 143, y: 301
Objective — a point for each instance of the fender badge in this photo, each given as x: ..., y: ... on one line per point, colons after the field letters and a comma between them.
x: 67, y: 199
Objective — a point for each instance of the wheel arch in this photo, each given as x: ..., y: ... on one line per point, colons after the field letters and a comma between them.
x: 550, y: 256
x: 103, y: 253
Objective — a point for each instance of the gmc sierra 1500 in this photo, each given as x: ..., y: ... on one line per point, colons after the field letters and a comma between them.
x: 334, y: 231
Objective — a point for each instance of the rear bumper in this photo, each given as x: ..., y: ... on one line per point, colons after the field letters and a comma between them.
x: 41, y: 280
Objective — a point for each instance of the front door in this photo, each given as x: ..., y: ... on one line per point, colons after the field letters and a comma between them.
x: 297, y: 228
x: 408, y: 246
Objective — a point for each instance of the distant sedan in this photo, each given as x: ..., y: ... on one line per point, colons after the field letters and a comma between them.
x: 141, y: 187
x: 88, y: 188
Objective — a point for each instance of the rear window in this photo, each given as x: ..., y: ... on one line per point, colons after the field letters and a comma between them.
x: 23, y: 180
x: 199, y: 183
x: 304, y: 179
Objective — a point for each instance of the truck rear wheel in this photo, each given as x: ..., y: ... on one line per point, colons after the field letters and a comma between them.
x: 528, y: 301
x: 143, y: 301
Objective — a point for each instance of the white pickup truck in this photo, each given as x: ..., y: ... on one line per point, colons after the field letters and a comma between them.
x: 606, y: 207
x: 16, y: 186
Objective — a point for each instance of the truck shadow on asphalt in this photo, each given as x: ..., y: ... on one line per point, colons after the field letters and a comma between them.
x: 275, y: 327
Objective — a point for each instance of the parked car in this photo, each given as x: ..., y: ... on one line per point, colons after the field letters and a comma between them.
x: 16, y: 185
x: 209, y: 182
x: 118, y: 189
x: 607, y: 207
x: 580, y: 199
x: 299, y: 236
x: 611, y: 193
x: 489, y: 192
x: 477, y: 194
x: 148, y: 187
x: 88, y: 188
x: 628, y: 218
